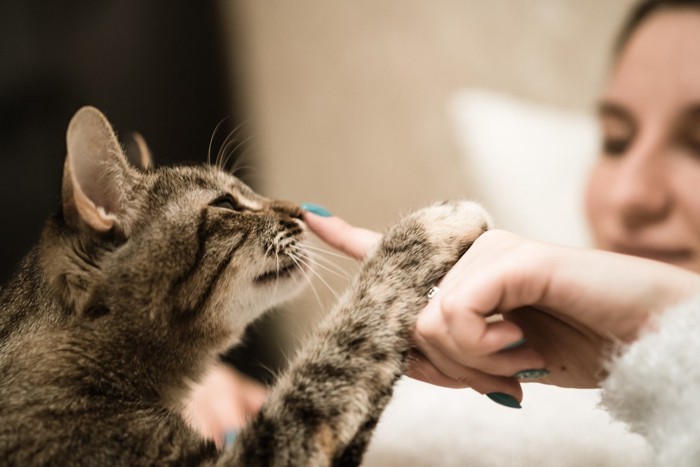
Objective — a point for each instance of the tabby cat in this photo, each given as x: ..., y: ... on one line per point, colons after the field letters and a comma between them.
x: 145, y: 275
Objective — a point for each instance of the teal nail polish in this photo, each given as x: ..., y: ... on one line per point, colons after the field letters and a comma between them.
x: 535, y: 373
x: 230, y: 438
x: 318, y: 210
x: 515, y: 344
x: 504, y: 399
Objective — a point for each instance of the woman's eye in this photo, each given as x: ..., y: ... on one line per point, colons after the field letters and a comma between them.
x: 693, y: 145
x: 226, y: 202
x: 615, y: 146
x: 618, y: 130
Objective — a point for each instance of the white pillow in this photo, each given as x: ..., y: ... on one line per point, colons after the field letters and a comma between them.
x: 528, y: 162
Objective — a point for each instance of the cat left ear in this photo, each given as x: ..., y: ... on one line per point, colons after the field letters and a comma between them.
x: 96, y: 175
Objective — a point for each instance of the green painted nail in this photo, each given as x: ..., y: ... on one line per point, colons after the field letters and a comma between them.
x: 535, y: 373
x: 515, y: 344
x: 504, y: 399
x: 318, y: 210
x: 230, y: 438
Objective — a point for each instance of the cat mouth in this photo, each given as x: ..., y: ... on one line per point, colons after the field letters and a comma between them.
x: 277, y: 273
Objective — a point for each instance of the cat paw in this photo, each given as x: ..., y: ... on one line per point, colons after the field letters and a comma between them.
x: 452, y: 221
x: 428, y: 242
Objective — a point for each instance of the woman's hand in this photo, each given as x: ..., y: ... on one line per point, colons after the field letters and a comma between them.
x: 358, y: 242
x: 569, y: 304
x: 223, y: 402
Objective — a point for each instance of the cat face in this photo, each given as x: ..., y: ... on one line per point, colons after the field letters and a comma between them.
x: 188, y: 249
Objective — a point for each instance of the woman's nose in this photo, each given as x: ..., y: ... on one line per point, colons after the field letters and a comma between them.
x: 642, y: 193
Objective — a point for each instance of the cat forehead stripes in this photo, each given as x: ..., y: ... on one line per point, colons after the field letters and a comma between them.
x: 210, y: 181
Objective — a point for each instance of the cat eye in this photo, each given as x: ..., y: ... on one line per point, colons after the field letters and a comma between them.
x: 226, y: 202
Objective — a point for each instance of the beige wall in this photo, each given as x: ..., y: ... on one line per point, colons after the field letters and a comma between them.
x: 348, y: 99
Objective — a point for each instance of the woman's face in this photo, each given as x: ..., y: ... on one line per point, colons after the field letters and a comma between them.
x: 643, y: 196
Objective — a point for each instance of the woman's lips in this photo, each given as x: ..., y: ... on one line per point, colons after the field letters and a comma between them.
x: 667, y: 255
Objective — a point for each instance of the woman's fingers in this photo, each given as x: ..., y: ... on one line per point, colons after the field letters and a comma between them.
x: 459, y: 330
x: 353, y: 241
x: 468, y: 351
x: 460, y: 346
x: 504, y: 390
x: 422, y: 369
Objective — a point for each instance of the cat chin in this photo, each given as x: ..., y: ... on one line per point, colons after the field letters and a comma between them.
x: 276, y: 275
x: 265, y: 295
x: 276, y: 293
x: 285, y: 287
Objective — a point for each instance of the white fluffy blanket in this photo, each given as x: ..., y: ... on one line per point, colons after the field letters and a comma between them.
x: 654, y: 388
x: 429, y: 426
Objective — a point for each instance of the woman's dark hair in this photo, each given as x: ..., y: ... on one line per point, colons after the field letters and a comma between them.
x: 642, y: 11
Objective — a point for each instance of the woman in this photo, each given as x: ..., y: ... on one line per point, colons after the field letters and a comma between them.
x: 573, y: 306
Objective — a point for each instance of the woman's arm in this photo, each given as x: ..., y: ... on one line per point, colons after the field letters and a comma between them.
x: 570, y: 305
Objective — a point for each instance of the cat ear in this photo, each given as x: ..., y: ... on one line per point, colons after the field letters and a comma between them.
x: 96, y: 175
x: 137, y: 151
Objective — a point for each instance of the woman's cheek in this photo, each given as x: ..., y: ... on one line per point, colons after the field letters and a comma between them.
x: 597, y: 200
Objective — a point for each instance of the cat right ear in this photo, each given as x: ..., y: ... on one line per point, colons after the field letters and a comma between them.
x: 137, y: 151
x: 96, y: 175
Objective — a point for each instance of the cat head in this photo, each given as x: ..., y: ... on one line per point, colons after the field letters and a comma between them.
x: 187, y: 248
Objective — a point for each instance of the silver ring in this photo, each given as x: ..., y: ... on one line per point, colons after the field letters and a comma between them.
x: 433, y: 292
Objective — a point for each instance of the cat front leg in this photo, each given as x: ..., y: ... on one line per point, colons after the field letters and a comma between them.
x: 325, y: 406
x: 449, y: 225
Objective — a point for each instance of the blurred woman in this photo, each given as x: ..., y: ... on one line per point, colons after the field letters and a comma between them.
x: 566, y: 309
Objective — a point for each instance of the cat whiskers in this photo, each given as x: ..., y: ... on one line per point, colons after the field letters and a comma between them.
x: 318, y: 254
x: 213, y: 135
x: 274, y: 373
x: 238, y: 145
x: 252, y: 174
x: 327, y: 265
x: 277, y: 268
x: 219, y: 153
x: 328, y: 252
x: 300, y: 265
x: 230, y: 145
x: 309, y: 263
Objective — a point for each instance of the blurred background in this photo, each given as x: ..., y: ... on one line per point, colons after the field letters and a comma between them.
x: 368, y: 107
x: 374, y: 107
x: 160, y: 71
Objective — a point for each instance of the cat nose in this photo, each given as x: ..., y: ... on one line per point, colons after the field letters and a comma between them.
x: 286, y: 208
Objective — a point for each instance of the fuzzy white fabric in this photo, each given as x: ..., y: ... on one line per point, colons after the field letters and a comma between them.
x: 428, y: 426
x: 654, y: 386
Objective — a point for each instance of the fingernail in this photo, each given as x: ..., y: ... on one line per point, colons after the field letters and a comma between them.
x: 515, y: 344
x: 535, y: 373
x: 230, y: 438
x: 313, y: 208
x: 504, y: 399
